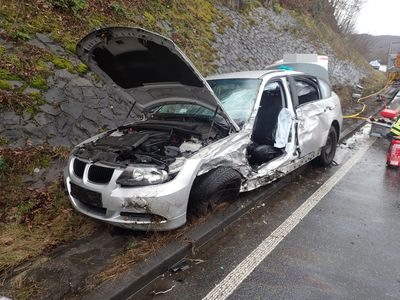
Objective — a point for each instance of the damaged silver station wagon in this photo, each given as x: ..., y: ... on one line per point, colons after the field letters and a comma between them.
x: 194, y: 142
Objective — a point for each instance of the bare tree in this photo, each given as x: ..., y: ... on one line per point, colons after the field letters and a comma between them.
x: 341, y: 15
x: 346, y: 13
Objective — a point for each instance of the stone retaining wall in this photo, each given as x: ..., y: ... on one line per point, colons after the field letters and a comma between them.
x: 76, y: 108
x: 261, y: 38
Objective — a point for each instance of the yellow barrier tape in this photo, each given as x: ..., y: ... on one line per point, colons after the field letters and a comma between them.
x: 361, y: 101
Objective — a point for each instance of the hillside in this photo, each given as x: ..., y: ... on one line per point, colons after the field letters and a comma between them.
x: 49, y: 101
x: 375, y: 47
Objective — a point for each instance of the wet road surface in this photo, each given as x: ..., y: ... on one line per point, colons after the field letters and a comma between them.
x: 347, y: 246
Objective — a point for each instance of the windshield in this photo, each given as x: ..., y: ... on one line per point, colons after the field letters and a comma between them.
x: 237, y: 96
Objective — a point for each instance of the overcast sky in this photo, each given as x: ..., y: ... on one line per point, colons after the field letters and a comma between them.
x: 379, y: 17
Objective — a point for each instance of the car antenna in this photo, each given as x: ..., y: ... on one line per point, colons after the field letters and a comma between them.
x: 213, y: 121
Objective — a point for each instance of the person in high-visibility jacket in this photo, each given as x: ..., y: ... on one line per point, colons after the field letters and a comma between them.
x: 395, y: 130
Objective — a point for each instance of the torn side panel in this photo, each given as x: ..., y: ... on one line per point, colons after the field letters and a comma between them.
x: 314, y: 122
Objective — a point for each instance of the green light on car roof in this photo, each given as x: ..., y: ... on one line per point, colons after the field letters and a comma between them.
x: 286, y: 68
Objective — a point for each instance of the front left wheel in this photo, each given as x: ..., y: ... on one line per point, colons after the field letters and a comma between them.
x: 219, y: 185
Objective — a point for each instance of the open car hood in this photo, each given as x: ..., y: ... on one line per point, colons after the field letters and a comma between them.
x: 147, y: 68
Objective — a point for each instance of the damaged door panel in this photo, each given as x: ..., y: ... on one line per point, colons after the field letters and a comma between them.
x: 194, y: 141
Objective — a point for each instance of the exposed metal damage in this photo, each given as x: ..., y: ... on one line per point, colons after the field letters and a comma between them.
x: 154, y: 142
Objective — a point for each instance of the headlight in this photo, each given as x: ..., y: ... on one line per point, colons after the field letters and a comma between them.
x: 142, y: 176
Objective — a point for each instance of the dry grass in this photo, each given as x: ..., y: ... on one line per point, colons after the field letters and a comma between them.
x: 139, y: 249
x: 23, y: 290
x: 22, y: 241
x: 33, y: 221
x: 374, y: 83
x: 143, y: 246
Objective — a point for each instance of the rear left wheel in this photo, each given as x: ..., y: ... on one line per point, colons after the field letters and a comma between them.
x: 329, y: 150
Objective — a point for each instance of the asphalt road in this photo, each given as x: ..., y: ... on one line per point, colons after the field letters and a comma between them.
x: 345, y: 247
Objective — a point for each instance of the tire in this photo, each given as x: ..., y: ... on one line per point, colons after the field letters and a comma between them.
x: 219, y: 185
x: 329, y: 150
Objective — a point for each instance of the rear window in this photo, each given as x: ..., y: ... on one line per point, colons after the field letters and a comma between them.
x: 306, y: 91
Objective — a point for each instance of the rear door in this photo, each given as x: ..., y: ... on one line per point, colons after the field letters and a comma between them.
x: 312, y: 113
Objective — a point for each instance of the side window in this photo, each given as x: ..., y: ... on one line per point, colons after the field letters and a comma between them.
x: 306, y: 91
x: 325, y: 89
x: 275, y: 90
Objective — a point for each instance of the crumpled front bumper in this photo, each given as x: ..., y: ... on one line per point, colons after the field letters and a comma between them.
x: 155, y: 207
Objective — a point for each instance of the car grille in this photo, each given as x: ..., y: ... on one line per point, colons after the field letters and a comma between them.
x: 96, y: 174
x: 90, y: 198
x: 79, y: 167
x: 99, y: 174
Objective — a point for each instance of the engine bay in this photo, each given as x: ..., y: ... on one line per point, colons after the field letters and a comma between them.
x: 150, y: 142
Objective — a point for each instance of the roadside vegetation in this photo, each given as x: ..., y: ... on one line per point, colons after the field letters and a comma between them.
x: 33, y: 220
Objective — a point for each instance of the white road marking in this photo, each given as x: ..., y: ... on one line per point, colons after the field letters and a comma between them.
x: 246, y: 267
